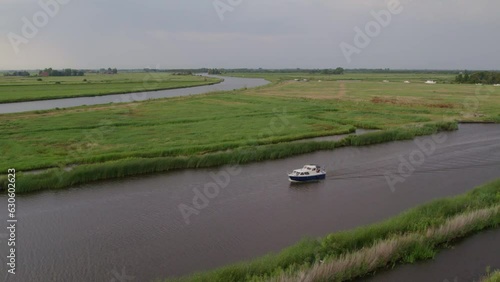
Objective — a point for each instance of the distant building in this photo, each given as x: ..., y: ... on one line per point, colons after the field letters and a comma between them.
x: 430, y: 82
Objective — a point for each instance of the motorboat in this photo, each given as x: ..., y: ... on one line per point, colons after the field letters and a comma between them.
x: 309, y: 172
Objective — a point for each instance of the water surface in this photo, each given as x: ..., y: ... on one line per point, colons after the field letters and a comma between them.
x: 229, y: 83
x: 92, y: 232
x: 466, y: 261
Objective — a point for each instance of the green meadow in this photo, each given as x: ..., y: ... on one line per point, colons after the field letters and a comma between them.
x: 16, y: 89
x: 63, y: 177
x: 117, y: 140
x: 361, y: 76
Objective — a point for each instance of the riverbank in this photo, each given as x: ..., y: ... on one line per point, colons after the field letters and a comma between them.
x: 44, y: 106
x: 62, y: 178
x: 108, y: 141
x: 120, y: 216
x: 22, y: 89
x: 414, y: 235
x: 468, y: 259
x: 492, y: 277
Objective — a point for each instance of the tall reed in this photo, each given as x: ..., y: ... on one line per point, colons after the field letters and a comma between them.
x: 58, y: 178
x: 413, y: 235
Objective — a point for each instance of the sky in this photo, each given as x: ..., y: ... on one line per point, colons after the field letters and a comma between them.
x: 86, y: 34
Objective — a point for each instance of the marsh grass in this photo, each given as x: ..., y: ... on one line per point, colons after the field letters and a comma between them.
x: 58, y: 178
x: 223, y: 121
x: 228, y: 127
x: 406, y: 248
x: 491, y: 276
x: 18, y: 89
x: 411, y: 236
x: 401, y: 133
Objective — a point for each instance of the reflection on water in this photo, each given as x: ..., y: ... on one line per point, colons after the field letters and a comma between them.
x: 304, y: 186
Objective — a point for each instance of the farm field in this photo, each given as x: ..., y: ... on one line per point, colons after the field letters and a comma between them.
x: 473, y: 102
x: 376, y: 77
x: 17, y: 89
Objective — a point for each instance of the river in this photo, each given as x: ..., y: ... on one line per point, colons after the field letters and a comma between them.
x: 229, y: 83
x: 134, y: 226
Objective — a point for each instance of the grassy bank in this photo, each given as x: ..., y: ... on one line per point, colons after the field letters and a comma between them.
x: 414, y: 235
x: 199, y: 124
x: 492, y: 277
x: 58, y: 178
x: 221, y: 127
x: 18, y: 89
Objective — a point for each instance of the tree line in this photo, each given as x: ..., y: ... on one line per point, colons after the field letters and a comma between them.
x: 328, y: 71
x: 484, y: 77
x: 108, y: 71
x: 260, y: 70
x: 64, y: 72
x: 17, y: 73
x: 214, y: 71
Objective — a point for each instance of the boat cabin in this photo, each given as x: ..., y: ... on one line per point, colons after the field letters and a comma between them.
x: 307, y: 170
x: 311, y: 167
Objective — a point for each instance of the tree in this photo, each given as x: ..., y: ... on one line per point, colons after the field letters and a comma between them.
x: 64, y: 72
x: 485, y: 77
x: 17, y: 73
x: 214, y: 71
x: 466, y: 77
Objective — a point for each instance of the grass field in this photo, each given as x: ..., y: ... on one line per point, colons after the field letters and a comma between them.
x: 15, y: 89
x: 203, y: 125
x: 374, y: 77
x: 414, y: 235
x: 464, y: 101
x: 63, y: 177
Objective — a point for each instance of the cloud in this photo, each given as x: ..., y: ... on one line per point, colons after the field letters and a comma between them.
x: 278, y: 33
